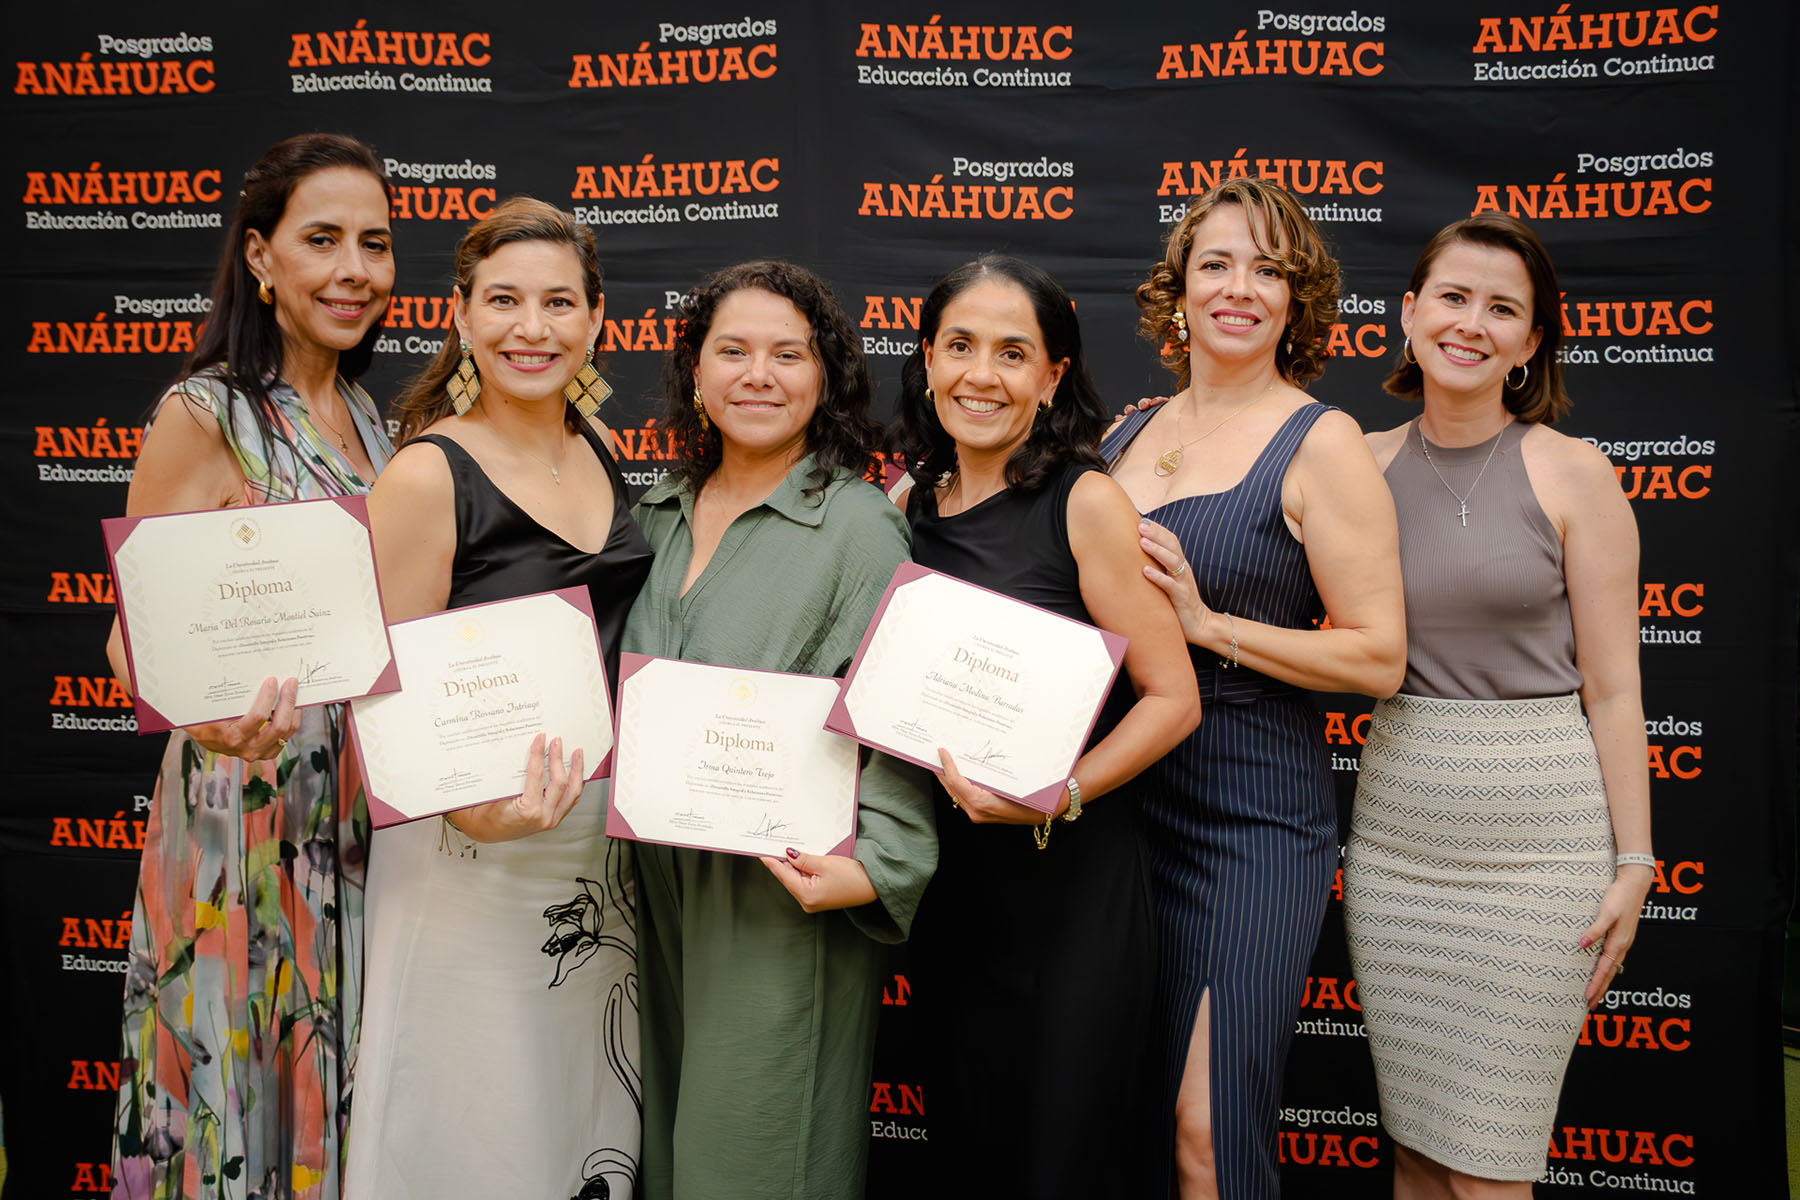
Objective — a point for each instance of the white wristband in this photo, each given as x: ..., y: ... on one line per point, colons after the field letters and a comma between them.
x: 1635, y: 860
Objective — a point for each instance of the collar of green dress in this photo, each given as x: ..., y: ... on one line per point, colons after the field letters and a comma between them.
x: 789, y: 499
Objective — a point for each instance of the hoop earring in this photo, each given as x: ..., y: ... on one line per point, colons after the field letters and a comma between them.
x: 465, y: 385
x: 700, y: 412
x: 1406, y: 352
x: 1178, y: 320
x: 1046, y: 403
x: 1523, y: 379
x: 587, y: 391
x: 263, y: 293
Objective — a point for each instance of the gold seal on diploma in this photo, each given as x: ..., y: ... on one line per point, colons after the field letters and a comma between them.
x: 245, y: 532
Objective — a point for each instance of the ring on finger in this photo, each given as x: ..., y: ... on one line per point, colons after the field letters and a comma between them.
x: 1179, y: 571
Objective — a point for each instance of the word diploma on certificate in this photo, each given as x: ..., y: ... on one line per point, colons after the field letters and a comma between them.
x: 720, y: 758
x: 1010, y: 690
x: 481, y: 682
x: 213, y: 603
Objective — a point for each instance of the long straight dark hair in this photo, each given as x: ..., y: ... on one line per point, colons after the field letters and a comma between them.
x: 240, y: 343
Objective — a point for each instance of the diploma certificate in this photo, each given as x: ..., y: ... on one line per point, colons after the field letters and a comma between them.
x: 481, y: 682
x: 1010, y: 690
x: 718, y: 758
x: 213, y: 603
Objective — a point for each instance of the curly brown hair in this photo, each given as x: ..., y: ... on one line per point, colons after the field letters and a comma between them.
x: 843, y: 435
x: 1299, y: 251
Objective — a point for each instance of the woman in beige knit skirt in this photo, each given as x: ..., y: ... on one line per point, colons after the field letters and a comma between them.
x: 1500, y: 846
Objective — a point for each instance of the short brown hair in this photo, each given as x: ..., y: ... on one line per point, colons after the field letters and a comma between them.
x: 1541, y: 400
x: 1300, y: 252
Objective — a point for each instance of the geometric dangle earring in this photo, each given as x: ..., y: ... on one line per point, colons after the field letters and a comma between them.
x: 587, y: 391
x: 465, y: 385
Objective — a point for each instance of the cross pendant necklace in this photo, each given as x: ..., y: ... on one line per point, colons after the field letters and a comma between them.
x: 1462, y: 511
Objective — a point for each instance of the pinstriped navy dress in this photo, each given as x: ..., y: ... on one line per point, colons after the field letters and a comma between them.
x: 1240, y: 823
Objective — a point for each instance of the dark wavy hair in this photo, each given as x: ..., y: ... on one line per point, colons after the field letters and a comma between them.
x: 1299, y: 251
x: 240, y: 342
x: 1068, y: 432
x: 843, y: 434
x: 1542, y: 400
x: 516, y: 219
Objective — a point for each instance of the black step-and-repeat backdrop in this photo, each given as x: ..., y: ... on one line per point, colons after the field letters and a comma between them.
x: 884, y: 143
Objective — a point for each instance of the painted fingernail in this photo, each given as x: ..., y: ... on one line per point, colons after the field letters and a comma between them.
x: 792, y: 853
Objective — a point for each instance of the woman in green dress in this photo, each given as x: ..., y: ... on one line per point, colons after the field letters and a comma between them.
x: 760, y: 980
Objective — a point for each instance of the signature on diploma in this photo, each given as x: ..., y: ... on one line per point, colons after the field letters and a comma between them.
x: 307, y: 674
x: 988, y: 755
x: 768, y: 826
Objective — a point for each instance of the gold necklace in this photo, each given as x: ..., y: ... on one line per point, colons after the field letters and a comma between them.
x: 555, y: 475
x: 343, y: 443
x: 1170, y: 461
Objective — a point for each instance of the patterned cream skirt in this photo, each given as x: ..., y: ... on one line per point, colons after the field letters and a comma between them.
x: 1480, y: 847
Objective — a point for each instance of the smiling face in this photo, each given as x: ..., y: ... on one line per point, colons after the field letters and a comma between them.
x: 527, y: 321
x: 1237, y: 299
x: 1470, y: 322
x: 329, y: 261
x: 759, y: 373
x: 988, y: 368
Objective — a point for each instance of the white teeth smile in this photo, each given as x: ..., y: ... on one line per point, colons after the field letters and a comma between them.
x: 530, y: 360
x: 979, y: 406
x: 1229, y: 319
x: 1461, y: 354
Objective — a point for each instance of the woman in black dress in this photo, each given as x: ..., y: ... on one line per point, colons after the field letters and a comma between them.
x: 1036, y: 961
x: 505, y: 974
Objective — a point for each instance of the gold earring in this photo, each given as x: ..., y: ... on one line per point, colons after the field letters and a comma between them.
x: 587, y: 391
x: 929, y: 398
x: 700, y: 411
x: 1045, y: 404
x: 1406, y: 351
x: 465, y: 385
x: 1179, y: 320
x: 263, y: 293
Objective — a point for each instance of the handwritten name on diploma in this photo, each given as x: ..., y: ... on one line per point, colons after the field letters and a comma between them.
x: 968, y: 688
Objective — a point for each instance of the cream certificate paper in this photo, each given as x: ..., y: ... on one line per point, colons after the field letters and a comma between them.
x: 1010, y: 690
x: 481, y: 683
x: 213, y: 603
x: 718, y: 758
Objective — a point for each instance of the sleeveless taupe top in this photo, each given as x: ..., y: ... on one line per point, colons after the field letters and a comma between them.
x: 1487, y: 612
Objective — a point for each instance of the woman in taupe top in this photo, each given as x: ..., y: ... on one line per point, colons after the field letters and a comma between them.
x: 1499, y: 850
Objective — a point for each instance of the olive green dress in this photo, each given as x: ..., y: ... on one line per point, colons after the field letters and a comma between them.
x: 759, y: 1019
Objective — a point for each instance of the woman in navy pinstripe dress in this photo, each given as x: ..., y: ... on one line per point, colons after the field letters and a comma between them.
x: 1271, y: 512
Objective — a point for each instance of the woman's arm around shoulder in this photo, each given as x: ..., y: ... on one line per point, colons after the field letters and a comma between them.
x: 1352, y: 541
x: 1103, y: 535
x: 412, y: 516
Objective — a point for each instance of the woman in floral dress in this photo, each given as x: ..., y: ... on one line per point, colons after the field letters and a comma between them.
x: 242, y: 994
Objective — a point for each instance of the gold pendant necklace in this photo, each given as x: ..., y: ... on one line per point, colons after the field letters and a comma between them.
x: 555, y: 475
x: 1170, y: 460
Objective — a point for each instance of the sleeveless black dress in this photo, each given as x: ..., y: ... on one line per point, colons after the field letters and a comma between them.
x: 1241, y: 824
x: 1033, y: 969
x: 521, y: 955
